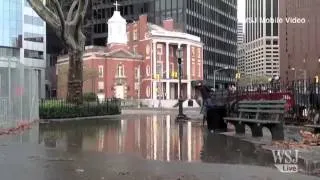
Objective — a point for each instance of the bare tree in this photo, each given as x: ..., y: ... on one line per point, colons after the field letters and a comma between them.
x: 69, y: 29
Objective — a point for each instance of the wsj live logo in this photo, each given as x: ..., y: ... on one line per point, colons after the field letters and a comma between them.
x: 286, y: 161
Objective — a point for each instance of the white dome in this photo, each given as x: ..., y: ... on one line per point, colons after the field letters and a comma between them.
x: 117, y: 29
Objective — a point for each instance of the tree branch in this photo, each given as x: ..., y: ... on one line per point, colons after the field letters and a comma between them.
x: 77, y: 17
x: 81, y: 11
x: 84, y: 10
x: 58, y: 8
x: 71, y: 10
x: 46, y: 14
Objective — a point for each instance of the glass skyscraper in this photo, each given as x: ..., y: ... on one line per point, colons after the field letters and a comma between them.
x: 215, y: 21
x: 10, y: 27
x: 22, y: 62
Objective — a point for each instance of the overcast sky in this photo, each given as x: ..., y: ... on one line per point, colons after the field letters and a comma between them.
x: 241, y: 10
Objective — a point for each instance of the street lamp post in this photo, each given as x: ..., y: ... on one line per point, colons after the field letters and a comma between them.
x: 180, y: 116
x: 214, y: 76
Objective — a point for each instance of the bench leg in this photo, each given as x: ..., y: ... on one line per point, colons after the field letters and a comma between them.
x: 240, y: 128
x: 256, y: 130
x: 277, y: 132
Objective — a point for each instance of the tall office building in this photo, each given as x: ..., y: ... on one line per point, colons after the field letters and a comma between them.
x: 215, y: 21
x: 299, y: 42
x: 240, y: 33
x: 241, y: 54
x: 262, y: 46
x: 22, y: 62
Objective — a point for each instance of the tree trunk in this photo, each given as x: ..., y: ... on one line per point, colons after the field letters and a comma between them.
x: 75, y: 82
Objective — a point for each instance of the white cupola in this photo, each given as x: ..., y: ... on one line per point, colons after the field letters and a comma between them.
x: 117, y: 28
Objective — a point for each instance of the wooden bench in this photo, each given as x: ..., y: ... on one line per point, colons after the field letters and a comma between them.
x: 259, y: 114
x: 315, y: 127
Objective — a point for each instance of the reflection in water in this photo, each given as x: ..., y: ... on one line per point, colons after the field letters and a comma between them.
x: 224, y: 149
x: 155, y: 137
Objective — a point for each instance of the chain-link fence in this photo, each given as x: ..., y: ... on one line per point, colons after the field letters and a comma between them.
x: 19, y: 93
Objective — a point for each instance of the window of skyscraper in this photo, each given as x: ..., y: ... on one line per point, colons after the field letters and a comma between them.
x: 33, y: 54
x: 33, y: 20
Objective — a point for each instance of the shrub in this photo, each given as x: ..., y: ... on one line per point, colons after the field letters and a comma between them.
x: 56, y: 109
x: 90, y: 97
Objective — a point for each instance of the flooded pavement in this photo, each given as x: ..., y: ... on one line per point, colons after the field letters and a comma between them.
x: 133, y: 147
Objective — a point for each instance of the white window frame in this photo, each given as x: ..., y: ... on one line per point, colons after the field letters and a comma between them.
x: 136, y: 72
x: 100, y: 85
x: 199, y: 70
x: 199, y: 53
x: 135, y: 34
x: 193, y: 69
x: 101, y: 73
x: 193, y: 52
x: 120, y: 70
x: 148, y: 70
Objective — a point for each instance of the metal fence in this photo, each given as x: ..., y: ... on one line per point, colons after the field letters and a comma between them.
x: 130, y: 103
x: 302, y: 96
x: 19, y: 93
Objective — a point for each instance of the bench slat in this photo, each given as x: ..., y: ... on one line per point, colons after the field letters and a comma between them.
x: 312, y: 126
x: 262, y: 111
x: 261, y: 106
x: 252, y: 120
x: 263, y: 102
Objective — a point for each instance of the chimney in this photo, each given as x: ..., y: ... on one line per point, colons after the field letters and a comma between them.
x: 168, y: 24
x: 143, y: 26
x: 143, y: 18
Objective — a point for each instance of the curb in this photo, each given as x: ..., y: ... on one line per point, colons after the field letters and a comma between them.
x: 46, y: 121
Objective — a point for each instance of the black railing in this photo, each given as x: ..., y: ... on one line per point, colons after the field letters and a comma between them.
x: 59, y: 108
x: 303, y: 97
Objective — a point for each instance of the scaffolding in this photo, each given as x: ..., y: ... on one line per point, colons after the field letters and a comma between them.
x: 19, y: 93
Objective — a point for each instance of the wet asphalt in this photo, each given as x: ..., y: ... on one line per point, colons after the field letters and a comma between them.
x: 138, y: 147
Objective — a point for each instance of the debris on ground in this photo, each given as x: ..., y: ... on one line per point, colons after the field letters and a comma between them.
x: 60, y: 159
x: 21, y: 126
x: 309, y: 140
x: 79, y: 170
x: 123, y: 173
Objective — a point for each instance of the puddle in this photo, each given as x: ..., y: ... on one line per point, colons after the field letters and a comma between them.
x: 156, y: 137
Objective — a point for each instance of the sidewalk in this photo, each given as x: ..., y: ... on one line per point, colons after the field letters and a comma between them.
x: 193, y: 113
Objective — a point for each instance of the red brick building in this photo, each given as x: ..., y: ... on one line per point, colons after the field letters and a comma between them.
x: 139, y: 61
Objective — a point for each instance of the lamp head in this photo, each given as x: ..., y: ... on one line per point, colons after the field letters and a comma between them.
x: 179, y: 53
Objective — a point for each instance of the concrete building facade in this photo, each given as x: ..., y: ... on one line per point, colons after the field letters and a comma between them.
x: 299, y: 42
x: 262, y: 38
x: 241, y: 54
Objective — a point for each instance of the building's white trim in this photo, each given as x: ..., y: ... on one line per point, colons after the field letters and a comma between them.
x: 177, y: 41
